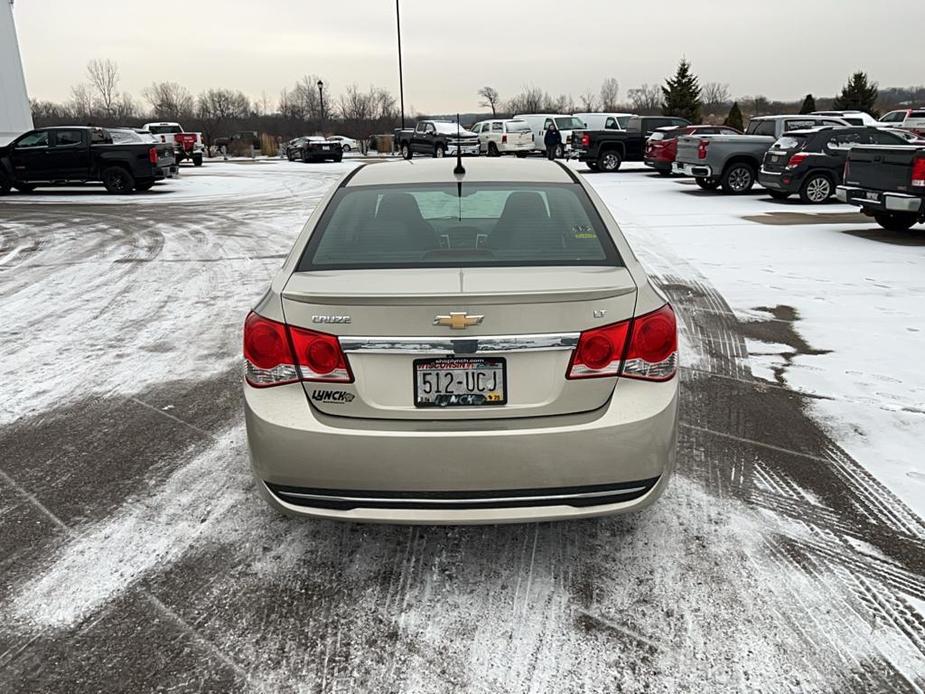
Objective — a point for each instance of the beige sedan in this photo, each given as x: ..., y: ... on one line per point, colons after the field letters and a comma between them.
x: 461, y: 348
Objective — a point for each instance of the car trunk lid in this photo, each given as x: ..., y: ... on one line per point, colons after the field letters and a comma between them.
x: 885, y: 168
x: 527, y: 318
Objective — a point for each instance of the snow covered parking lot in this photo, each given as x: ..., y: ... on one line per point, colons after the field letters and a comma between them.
x: 787, y: 556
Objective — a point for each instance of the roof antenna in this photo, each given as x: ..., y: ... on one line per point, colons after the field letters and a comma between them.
x: 460, y: 170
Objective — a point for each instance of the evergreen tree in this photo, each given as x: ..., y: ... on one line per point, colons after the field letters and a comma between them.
x: 858, y: 95
x: 682, y: 94
x: 734, y: 119
x: 809, y: 105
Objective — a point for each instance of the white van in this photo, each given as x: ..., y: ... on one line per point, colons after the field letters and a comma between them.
x: 604, y: 121
x: 539, y: 122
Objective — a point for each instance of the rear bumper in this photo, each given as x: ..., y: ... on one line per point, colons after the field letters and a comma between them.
x: 626, y: 450
x: 465, y: 150
x: 772, y: 180
x: 695, y: 170
x: 879, y: 201
x: 658, y: 164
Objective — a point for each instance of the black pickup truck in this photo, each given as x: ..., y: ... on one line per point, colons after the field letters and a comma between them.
x: 76, y: 154
x: 606, y: 150
x: 887, y: 183
x: 437, y: 139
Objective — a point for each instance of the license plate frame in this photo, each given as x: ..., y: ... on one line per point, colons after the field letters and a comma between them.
x: 466, y: 398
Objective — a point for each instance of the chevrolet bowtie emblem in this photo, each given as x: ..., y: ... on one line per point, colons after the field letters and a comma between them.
x: 458, y: 321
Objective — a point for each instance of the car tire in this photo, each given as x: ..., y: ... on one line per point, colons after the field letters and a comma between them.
x: 25, y: 187
x: 118, y: 181
x: 338, y: 160
x: 4, y: 186
x: 738, y: 178
x: 896, y: 221
x: 144, y: 185
x: 290, y: 156
x: 609, y: 161
x: 197, y: 160
x: 778, y: 194
x: 493, y: 150
x: 406, y: 152
x: 345, y: 148
x: 439, y: 152
x: 817, y: 189
x: 592, y: 166
x: 664, y: 173
x: 707, y: 183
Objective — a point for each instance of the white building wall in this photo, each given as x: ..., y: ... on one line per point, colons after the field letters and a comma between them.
x: 15, y: 114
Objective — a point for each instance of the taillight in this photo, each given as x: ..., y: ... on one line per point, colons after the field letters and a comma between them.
x: 276, y: 354
x: 152, y: 155
x: 652, y: 353
x: 599, y: 352
x: 504, y: 139
x: 702, y: 149
x: 918, y: 172
x: 797, y: 159
x: 847, y: 170
x: 585, y: 140
x: 645, y: 348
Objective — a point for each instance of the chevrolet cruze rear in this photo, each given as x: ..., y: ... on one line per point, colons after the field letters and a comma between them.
x: 444, y: 348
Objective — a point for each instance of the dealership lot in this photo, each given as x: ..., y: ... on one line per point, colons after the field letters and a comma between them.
x: 788, y: 554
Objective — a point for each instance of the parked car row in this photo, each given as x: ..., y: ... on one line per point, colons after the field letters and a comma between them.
x: 122, y: 159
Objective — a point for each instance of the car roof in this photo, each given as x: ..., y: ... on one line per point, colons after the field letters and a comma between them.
x: 478, y: 170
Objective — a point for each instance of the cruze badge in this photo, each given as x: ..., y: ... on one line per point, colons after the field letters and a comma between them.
x: 458, y: 321
x: 331, y: 319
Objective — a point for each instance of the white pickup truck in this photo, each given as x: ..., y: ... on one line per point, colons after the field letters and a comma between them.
x: 186, y: 145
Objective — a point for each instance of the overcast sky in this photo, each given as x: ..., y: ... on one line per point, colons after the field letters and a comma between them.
x: 780, y: 48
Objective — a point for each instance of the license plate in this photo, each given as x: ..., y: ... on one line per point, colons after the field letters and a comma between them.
x: 460, y: 382
x: 872, y: 196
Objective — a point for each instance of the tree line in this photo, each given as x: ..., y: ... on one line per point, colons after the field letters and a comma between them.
x: 306, y: 108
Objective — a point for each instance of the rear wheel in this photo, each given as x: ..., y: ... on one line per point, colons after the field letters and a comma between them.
x: 197, y: 160
x: 118, y: 181
x: 707, y: 183
x: 896, y: 221
x: 144, y: 185
x: 816, y: 189
x: 609, y: 161
x: 439, y: 151
x: 4, y: 186
x: 338, y: 160
x: 406, y: 152
x: 778, y: 194
x: 493, y: 150
x: 738, y: 178
x: 346, y: 148
x: 290, y: 156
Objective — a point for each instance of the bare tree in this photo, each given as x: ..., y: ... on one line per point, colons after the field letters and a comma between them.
x: 715, y: 96
x: 216, y: 107
x: 355, y: 105
x: 489, y: 99
x: 588, y: 101
x: 610, y: 90
x: 308, y: 97
x: 104, y: 79
x: 169, y: 101
x: 646, y: 98
x: 531, y: 100
x: 82, y: 104
x: 125, y: 109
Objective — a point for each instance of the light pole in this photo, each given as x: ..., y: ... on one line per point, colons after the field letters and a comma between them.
x: 321, y: 98
x: 401, y: 78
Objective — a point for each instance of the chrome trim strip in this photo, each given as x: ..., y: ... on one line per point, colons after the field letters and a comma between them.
x: 359, y: 501
x: 459, y: 345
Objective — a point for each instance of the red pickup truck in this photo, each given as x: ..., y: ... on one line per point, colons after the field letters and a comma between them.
x: 186, y: 145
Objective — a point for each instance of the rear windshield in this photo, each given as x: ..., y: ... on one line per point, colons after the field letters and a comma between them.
x: 122, y: 137
x: 518, y: 126
x: 789, y: 142
x: 431, y: 225
x: 164, y: 129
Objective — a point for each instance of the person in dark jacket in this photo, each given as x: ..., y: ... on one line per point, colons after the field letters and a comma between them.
x: 552, y: 140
